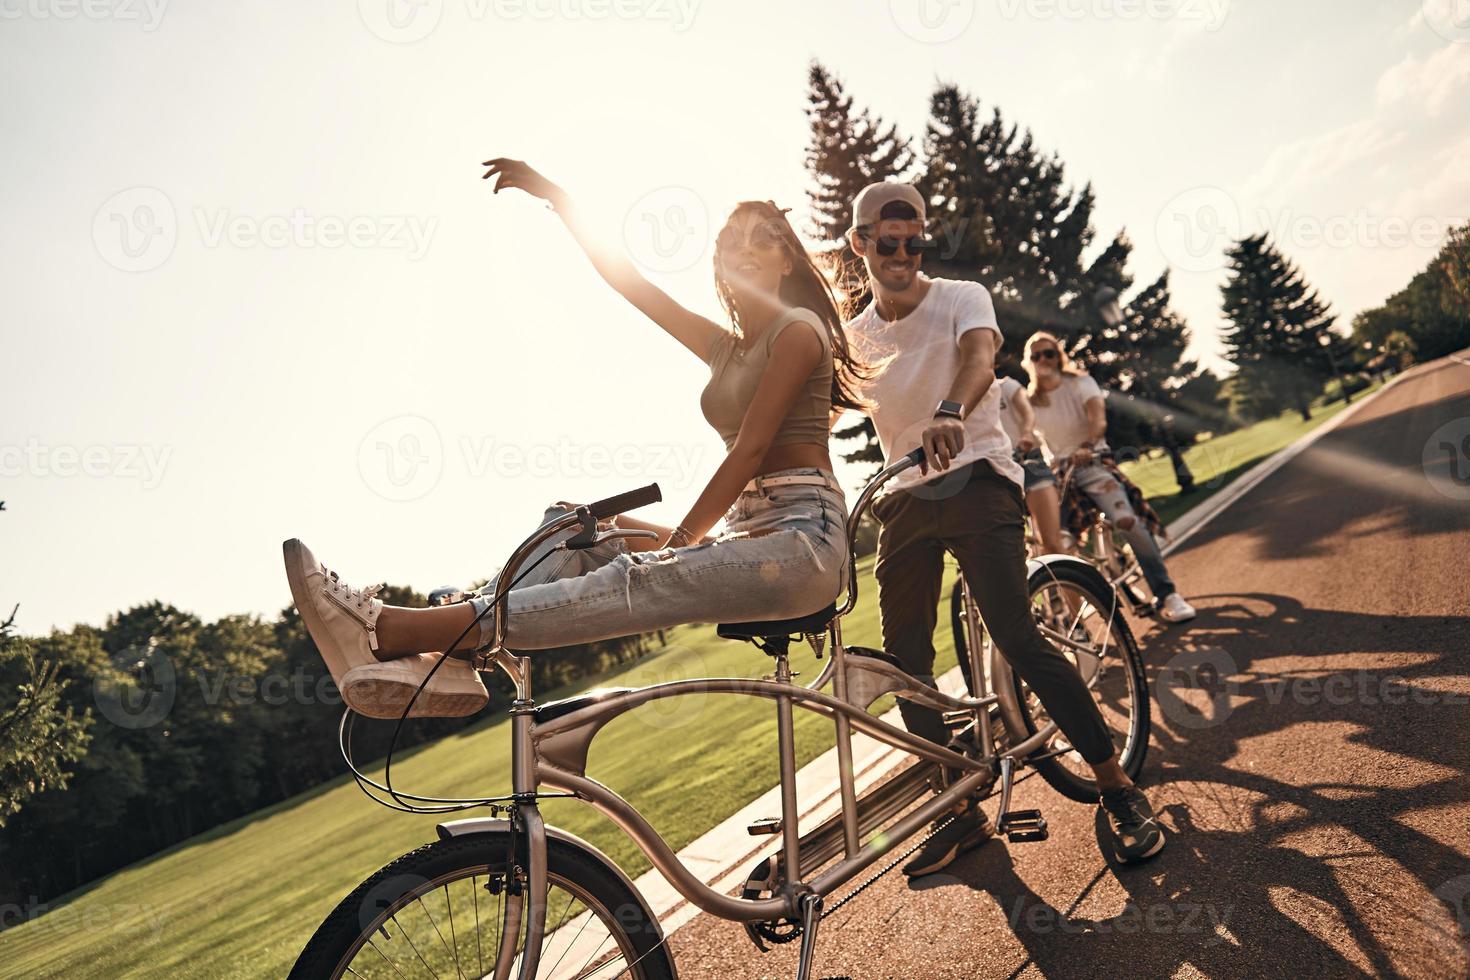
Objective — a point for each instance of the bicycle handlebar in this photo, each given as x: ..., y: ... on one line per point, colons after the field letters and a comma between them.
x: 909, y: 461
x: 623, y: 502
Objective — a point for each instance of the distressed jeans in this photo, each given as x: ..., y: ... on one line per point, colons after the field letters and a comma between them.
x: 782, y: 554
x: 1112, y: 500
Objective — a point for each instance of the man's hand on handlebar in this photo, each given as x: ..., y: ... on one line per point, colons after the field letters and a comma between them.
x: 942, y: 441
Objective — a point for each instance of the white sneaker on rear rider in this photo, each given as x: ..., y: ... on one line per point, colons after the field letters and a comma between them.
x: 342, y: 621
x: 1175, y: 610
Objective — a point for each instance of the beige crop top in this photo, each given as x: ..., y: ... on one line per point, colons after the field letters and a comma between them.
x: 734, y: 376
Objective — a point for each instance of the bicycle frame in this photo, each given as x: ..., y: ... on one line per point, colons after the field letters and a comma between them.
x: 552, y: 754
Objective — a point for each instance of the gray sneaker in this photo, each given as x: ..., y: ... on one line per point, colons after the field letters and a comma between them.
x: 1133, y: 831
x: 964, y: 833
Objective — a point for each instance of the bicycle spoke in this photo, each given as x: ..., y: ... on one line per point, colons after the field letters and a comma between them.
x: 475, y: 897
x: 413, y: 946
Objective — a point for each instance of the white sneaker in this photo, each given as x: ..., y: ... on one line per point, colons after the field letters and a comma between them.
x: 1175, y: 610
x: 342, y: 621
x: 384, y: 690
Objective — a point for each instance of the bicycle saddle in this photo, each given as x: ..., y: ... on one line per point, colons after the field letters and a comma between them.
x: 803, y: 625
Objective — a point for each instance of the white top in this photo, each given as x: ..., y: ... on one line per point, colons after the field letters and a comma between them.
x: 1010, y: 415
x: 915, y: 360
x: 1063, y: 420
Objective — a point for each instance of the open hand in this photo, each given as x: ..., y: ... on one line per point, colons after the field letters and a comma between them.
x: 517, y: 174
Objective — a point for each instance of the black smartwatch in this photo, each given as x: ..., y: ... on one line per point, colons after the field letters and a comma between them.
x: 950, y: 410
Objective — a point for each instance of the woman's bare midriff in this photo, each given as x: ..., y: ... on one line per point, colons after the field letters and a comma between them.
x: 795, y: 456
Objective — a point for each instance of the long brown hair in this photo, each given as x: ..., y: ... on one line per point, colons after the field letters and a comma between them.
x: 1064, y: 363
x: 807, y: 286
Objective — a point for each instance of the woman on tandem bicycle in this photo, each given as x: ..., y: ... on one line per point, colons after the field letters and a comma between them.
x: 1068, y: 407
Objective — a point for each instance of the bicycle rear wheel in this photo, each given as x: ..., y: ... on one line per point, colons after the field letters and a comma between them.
x: 439, y: 911
x: 1074, y: 608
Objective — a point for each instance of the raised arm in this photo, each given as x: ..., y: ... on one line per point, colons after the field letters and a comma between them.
x: 690, y: 329
x: 794, y: 355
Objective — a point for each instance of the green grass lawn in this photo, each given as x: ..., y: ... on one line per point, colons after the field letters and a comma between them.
x: 1215, y: 462
x: 241, y: 900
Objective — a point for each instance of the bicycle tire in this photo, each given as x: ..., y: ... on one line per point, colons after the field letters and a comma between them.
x: 1135, y: 747
x: 355, y: 923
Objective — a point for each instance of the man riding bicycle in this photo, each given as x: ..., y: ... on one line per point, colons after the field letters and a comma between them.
x: 936, y: 341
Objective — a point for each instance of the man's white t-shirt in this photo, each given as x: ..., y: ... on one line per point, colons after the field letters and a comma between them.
x: 915, y: 361
x: 1062, y: 421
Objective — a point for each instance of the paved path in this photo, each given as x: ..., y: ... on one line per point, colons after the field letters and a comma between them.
x: 1311, y: 744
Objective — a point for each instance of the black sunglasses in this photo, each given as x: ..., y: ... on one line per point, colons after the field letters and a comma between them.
x: 767, y: 234
x: 913, y: 246
x: 1045, y: 354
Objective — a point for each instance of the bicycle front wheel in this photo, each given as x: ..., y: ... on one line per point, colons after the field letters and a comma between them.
x: 1082, y: 617
x: 440, y: 910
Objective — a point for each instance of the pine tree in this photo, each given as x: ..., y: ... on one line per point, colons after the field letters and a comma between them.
x: 850, y: 149
x: 1277, y: 325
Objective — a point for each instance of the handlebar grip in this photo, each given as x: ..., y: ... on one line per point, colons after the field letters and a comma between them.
x: 915, y: 457
x: 623, y: 502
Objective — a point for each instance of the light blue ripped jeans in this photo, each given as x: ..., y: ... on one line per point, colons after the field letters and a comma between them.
x: 1112, y: 500
x: 782, y: 554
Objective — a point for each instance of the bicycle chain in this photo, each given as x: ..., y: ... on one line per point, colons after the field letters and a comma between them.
x: 887, y: 868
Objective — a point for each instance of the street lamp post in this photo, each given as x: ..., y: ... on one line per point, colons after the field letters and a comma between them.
x: 1111, y: 311
x: 1325, y: 339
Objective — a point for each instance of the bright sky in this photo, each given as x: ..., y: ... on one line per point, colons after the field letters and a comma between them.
x: 255, y: 289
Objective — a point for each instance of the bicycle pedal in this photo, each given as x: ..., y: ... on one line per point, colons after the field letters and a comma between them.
x: 1022, y: 826
x: 764, y: 828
